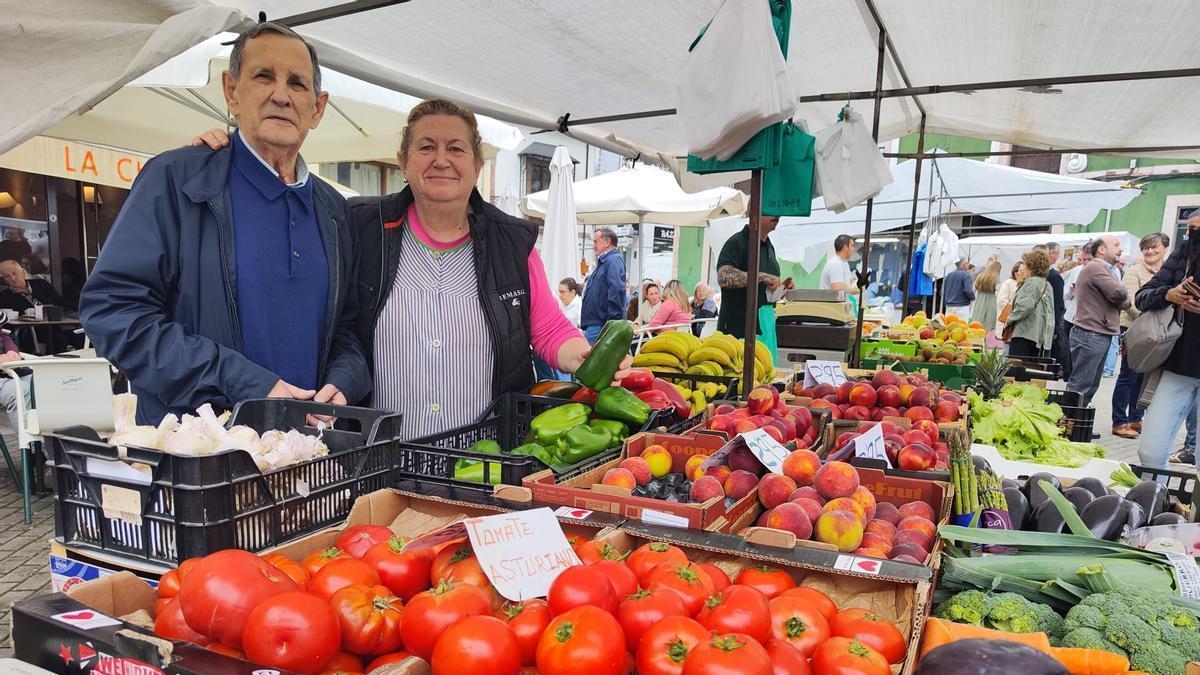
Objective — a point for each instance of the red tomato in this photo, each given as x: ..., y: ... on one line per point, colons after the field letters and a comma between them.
x: 591, y: 551
x: 872, y: 630
x: 648, y: 556
x: 691, y: 583
x: 460, y: 564
x: 358, y: 539
x: 642, y: 610
x: 159, y: 604
x: 343, y: 663
x: 770, y: 580
x: 619, y: 575
x: 293, y: 631
x: 169, y: 623
x: 527, y: 620
x: 221, y: 590
x: 447, y: 558
x: 394, y: 657
x: 585, y: 639
x: 477, y: 644
x: 821, y: 602
x: 168, y: 584
x: 290, y: 567
x: 339, y: 574
x: 227, y: 651
x: 786, y: 659
x: 318, y: 559
x: 370, y: 619
x: 737, y: 609
x: 638, y: 380
x: 719, y: 578
x: 667, y: 644
x: 728, y: 654
x: 843, y: 656
x: 797, y: 622
x: 582, y: 585
x: 433, y: 611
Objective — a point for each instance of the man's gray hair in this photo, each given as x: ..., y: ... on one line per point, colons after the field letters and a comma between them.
x: 239, y: 48
x: 1051, y: 246
x: 609, y: 234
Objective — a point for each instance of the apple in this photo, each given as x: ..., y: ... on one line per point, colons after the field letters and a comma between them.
x: 916, y: 457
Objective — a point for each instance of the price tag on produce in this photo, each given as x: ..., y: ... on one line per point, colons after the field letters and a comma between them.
x: 767, y: 450
x: 522, y: 552
x: 1187, y: 573
x: 823, y: 372
x: 870, y: 444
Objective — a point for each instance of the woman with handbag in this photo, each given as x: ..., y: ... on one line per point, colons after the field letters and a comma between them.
x: 1172, y: 290
x: 1004, y: 297
x: 1030, y: 326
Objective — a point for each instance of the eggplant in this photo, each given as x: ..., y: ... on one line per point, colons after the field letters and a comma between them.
x: 1046, y: 518
x: 1105, y: 517
x: 1010, y: 483
x: 983, y: 656
x: 1033, y: 491
x: 1079, y: 497
x: 1152, y: 496
x: 1168, y: 518
x: 1135, y: 517
x: 981, y: 464
x: 1018, y: 507
x: 1092, y: 485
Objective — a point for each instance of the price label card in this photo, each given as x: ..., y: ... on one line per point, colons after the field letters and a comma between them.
x: 522, y: 552
x: 1187, y: 574
x: 823, y: 372
x: 870, y: 444
x: 767, y: 450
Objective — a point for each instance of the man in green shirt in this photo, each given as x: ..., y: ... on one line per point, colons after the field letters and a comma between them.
x: 731, y: 275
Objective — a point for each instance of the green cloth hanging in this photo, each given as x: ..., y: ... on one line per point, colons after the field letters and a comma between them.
x: 787, y: 189
x: 766, y: 330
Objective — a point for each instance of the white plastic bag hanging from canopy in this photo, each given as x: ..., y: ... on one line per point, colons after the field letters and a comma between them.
x: 735, y: 81
x: 850, y: 167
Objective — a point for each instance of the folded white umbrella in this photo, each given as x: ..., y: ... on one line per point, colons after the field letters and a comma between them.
x: 560, y: 235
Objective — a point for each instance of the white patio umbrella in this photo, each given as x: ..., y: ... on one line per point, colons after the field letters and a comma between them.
x: 560, y: 234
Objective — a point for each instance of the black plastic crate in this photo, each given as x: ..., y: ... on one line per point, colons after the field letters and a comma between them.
x: 431, y: 459
x: 1181, y: 484
x: 1077, y: 421
x: 190, y: 506
x: 679, y: 421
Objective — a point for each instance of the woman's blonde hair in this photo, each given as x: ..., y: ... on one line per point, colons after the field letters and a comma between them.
x: 441, y: 106
x: 987, y: 279
x: 674, y: 291
x: 703, y: 291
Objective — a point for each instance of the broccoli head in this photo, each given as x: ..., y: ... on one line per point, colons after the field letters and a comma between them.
x: 965, y: 607
x: 1131, y: 633
x: 1084, y: 616
x: 1184, y: 639
x: 1158, y: 658
x: 1002, y: 611
x: 1051, y: 622
x: 1090, y: 638
x: 1013, y: 613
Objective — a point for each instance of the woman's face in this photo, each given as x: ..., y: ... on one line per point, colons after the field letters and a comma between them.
x: 1153, y: 255
x: 653, y: 294
x: 565, y: 295
x: 1022, y: 272
x: 441, y: 165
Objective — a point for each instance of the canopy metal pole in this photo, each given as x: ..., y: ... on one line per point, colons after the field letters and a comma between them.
x: 1049, y: 151
x: 864, y: 272
x: 754, y: 243
x: 912, y: 227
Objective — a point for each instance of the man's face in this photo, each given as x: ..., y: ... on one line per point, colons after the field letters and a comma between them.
x: 600, y: 243
x: 767, y: 225
x: 653, y: 294
x: 441, y: 164
x: 273, y: 98
x: 1052, y: 254
x: 1109, y: 250
x: 12, y: 274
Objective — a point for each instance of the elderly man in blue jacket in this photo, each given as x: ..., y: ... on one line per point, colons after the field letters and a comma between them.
x: 227, y: 275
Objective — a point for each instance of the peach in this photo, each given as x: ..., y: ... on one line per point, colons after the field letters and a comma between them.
x: 762, y: 519
x: 914, y: 537
x: 919, y: 398
x: 946, y: 411
x: 802, y: 466
x: 890, y: 428
x: 912, y: 551
x: 774, y: 490
x: 722, y: 423
x: 915, y: 435
x: 740, y: 414
x: 906, y: 391
x: 887, y: 511
x: 866, y: 499
x: 761, y: 399
x: 721, y: 472
x: 917, y: 508
x: 845, y: 439
x: 916, y: 457
x: 789, y: 427
x: 846, y: 504
x: 881, y: 528
x: 692, y: 468
x: 813, y: 509
x: 803, y: 417
x: 791, y: 518
x: 742, y: 426
x: 930, y: 428
x: 739, y: 484
x: 919, y: 524
x: 863, y: 394
x: 775, y: 433
x: 836, y: 479
x: 659, y: 459
x: 639, y: 467
x: 888, y: 396
x: 885, y: 378
x: 705, y: 488
x: 807, y: 492
x: 621, y: 478
x: 864, y: 551
x: 872, y: 540
x: 905, y: 559
x: 858, y: 412
x: 843, y: 392
x: 824, y: 389
x: 724, y: 409
x: 741, y: 458
x: 918, y: 412
x: 840, y: 529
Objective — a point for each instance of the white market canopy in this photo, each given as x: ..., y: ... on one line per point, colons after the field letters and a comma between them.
x: 1010, y: 247
x: 642, y: 194
x: 533, y: 61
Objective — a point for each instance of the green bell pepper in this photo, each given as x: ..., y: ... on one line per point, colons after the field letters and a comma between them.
x: 619, y: 430
x: 473, y: 473
x: 552, y: 423
x: 536, y: 451
x: 610, y: 348
x: 583, y: 442
x: 484, y: 446
x: 618, y: 403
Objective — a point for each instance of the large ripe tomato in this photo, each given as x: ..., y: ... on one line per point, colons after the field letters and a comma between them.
x: 448, y: 558
x: 168, y: 584
x: 691, y: 583
x: 290, y: 567
x: 823, y: 603
x: 527, y: 620
x: 786, y: 659
x: 843, y: 656
x: 370, y: 619
x: 872, y: 630
x: 293, y: 631
x: 728, y: 654
x: 667, y: 644
x: 737, y: 609
x: 619, y: 575
x: 343, y: 663
x: 318, y: 559
x: 799, y: 623
x: 591, y: 551
x: 642, y: 610
x: 770, y: 580
x: 394, y: 657
x: 339, y: 574
x: 433, y: 611
x: 719, y: 578
x: 222, y: 589
x: 586, y: 639
x: 648, y: 556
x: 581, y: 585
x: 227, y: 651
x: 358, y: 539
x: 405, y: 572
x: 466, y: 569
x: 477, y: 644
x: 169, y: 623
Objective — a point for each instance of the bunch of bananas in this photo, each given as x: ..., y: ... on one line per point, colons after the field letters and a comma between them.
x: 716, y: 355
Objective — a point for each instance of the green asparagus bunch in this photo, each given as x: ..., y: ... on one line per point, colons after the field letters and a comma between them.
x: 962, y: 474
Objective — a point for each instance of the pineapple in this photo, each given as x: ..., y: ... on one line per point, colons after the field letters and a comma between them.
x: 989, y: 373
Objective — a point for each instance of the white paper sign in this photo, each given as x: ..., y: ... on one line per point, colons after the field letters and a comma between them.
x: 522, y: 552
x: 849, y: 563
x: 870, y: 444
x: 663, y: 518
x: 768, y: 451
x: 823, y: 372
x: 1187, y: 574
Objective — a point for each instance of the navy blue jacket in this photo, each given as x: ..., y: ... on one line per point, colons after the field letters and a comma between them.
x: 161, y: 303
x: 604, y: 295
x: 958, y: 289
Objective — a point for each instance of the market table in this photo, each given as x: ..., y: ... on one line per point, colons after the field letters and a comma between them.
x: 33, y: 324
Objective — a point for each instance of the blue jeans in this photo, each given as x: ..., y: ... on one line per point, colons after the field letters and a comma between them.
x: 1125, y: 394
x: 1110, y: 361
x: 1175, y: 400
x: 592, y: 332
x: 1088, y: 351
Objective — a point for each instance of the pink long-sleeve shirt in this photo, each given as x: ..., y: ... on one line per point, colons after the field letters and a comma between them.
x: 670, y: 314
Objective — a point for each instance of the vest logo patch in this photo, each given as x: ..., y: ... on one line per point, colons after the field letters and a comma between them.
x: 514, y: 294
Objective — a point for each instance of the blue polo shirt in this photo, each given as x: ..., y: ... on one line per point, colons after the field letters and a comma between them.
x: 282, y: 271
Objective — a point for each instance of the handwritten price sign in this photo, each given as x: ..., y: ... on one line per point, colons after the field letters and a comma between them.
x: 823, y: 372
x: 870, y: 444
x: 521, y: 553
x: 766, y: 449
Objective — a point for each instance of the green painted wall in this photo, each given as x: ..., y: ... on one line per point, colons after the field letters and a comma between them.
x: 801, y: 278
x: 1145, y: 213
x: 945, y: 142
x: 691, y: 256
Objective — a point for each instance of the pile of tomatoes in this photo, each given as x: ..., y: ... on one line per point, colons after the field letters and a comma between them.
x: 367, y: 602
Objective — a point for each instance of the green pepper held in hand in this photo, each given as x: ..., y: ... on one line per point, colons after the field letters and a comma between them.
x: 618, y: 430
x: 534, y: 450
x: 610, y: 348
x: 583, y: 442
x: 555, y: 422
x: 618, y: 403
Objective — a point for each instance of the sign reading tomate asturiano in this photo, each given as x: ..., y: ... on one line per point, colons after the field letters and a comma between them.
x: 77, y: 161
x: 521, y: 553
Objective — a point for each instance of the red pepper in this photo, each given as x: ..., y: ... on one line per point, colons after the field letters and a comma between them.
x: 585, y: 395
x: 657, y: 400
x: 673, y: 395
x: 638, y: 380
